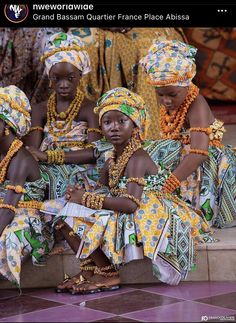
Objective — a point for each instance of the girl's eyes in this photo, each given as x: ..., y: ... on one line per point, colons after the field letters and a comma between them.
x: 106, y: 121
x: 57, y: 79
x: 170, y: 95
x: 53, y: 79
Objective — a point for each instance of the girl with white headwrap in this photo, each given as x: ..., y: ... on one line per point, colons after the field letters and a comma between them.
x: 21, y: 188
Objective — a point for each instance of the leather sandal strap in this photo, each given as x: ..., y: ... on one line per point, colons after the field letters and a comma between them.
x: 84, y: 262
x: 103, y: 271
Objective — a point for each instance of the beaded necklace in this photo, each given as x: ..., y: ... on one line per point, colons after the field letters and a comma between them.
x: 171, y: 125
x: 116, y: 168
x: 66, y: 117
x: 13, y: 149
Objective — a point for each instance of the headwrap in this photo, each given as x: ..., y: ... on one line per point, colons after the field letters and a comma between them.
x: 62, y: 47
x: 15, y: 109
x: 169, y: 62
x: 127, y: 102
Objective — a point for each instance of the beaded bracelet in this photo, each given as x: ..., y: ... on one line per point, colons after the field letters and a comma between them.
x: 8, y: 206
x: 208, y: 131
x: 18, y: 188
x: 36, y: 128
x: 88, y: 200
x: 138, y: 180
x: 84, y: 198
x: 33, y: 204
x: 170, y: 184
x: 94, y: 130
x: 132, y: 198
x: 199, y: 151
x: 89, y: 146
x: 100, y: 201
x: 93, y: 200
x: 56, y: 156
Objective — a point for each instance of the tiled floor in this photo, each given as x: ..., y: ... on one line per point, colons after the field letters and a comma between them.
x: 187, y: 302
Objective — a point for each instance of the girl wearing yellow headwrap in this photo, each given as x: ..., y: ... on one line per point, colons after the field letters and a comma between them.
x: 21, y: 188
x: 128, y: 217
x: 203, y: 169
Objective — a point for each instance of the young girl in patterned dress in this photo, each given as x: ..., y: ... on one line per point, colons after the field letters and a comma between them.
x: 131, y: 214
x: 22, y: 189
x: 191, y: 138
x: 64, y: 126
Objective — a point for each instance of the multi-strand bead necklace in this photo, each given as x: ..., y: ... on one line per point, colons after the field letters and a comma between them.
x: 66, y: 117
x: 15, y: 146
x: 171, y: 125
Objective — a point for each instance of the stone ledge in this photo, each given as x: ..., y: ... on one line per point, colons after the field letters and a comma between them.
x: 210, y: 258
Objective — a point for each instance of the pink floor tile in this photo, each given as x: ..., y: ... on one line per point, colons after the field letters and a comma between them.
x: 65, y: 313
x: 193, y: 290
x: 67, y: 298
x: 187, y: 311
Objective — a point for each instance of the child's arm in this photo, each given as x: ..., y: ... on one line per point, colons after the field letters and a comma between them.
x: 15, y: 189
x: 39, y: 116
x: 198, y: 117
x: 128, y: 203
x: 87, y: 114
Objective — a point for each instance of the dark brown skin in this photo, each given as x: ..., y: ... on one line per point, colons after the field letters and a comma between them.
x: 199, y: 115
x: 118, y: 129
x: 65, y: 78
x: 118, y: 29
x: 22, y: 168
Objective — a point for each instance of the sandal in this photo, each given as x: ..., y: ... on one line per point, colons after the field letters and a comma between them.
x: 64, y: 289
x: 70, y: 281
x: 100, y: 287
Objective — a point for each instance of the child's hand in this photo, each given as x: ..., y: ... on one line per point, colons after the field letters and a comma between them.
x: 74, y: 194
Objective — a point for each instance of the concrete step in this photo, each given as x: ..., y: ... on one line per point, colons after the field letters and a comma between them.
x: 215, y: 262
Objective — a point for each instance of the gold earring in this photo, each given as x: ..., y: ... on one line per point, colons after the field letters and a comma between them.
x: 7, y: 131
x: 135, y: 132
x: 50, y: 83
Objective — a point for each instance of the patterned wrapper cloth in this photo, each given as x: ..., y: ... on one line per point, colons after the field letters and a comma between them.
x: 15, y: 109
x: 62, y: 47
x: 169, y: 62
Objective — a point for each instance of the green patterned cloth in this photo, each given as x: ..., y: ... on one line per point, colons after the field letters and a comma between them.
x: 212, y: 188
x: 27, y: 234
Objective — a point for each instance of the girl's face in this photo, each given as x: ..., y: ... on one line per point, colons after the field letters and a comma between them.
x: 117, y: 127
x: 172, y: 96
x: 65, y: 78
